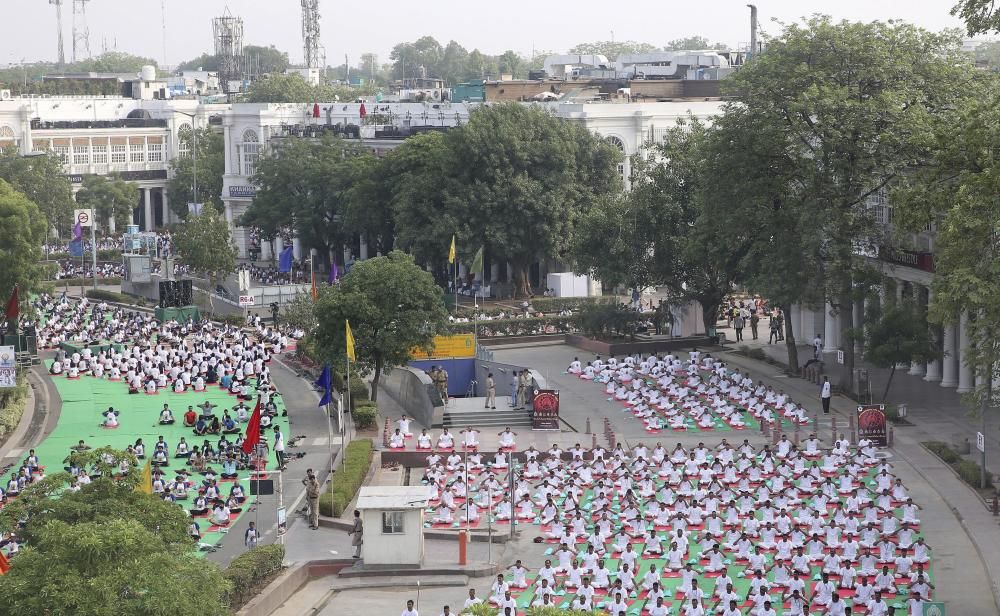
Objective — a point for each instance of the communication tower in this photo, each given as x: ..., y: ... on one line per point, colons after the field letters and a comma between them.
x: 228, y: 31
x: 311, y: 56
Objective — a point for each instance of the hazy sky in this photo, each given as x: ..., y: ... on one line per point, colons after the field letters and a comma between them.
x: 356, y: 27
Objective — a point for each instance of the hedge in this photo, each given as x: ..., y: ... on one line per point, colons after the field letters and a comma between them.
x: 231, y: 319
x: 250, y: 571
x: 359, y: 393
x: 531, y: 326
x: 110, y: 296
x: 12, y: 404
x: 966, y: 469
x: 347, y: 480
x: 365, y: 415
x: 87, y: 282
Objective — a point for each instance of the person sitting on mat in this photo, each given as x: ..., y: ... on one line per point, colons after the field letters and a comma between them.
x: 237, y: 492
x: 229, y: 468
x: 110, y: 418
x: 200, y: 506
x: 194, y: 530
x: 166, y: 416
x: 229, y: 426
x: 220, y: 515
x: 160, y: 458
x: 200, y: 427
x: 233, y: 505
x: 139, y: 449
x: 190, y: 417
x: 183, y: 450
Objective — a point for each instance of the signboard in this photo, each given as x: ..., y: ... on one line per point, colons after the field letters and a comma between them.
x: 8, y: 369
x: 908, y: 258
x: 546, y: 410
x: 242, y: 191
x: 247, y: 300
x: 872, y: 424
x: 448, y: 347
x: 933, y: 608
x: 84, y: 217
x: 840, y: 357
x: 282, y: 521
x: 980, y: 441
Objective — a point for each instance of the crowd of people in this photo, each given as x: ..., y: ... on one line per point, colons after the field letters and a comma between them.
x: 270, y: 275
x: 67, y: 268
x: 693, y: 393
x: 732, y: 529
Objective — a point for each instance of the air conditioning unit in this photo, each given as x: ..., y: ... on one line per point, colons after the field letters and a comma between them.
x: 5, y: 95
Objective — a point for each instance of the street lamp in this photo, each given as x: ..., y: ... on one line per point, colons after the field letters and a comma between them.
x: 194, y: 154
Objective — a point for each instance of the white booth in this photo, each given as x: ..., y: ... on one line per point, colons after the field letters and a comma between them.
x: 393, y: 518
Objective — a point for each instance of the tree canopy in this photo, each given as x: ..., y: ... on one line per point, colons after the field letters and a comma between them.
x: 393, y: 306
x: 111, y: 197
x: 43, y: 180
x: 22, y: 232
x: 293, y: 88
x: 211, y: 153
x: 612, y: 49
x: 265, y: 59
x: 205, y: 244
x: 980, y: 16
x: 105, y: 549
x: 693, y: 43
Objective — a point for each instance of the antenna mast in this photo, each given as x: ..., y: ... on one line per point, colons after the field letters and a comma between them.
x: 81, y: 33
x: 59, y: 27
x: 310, y: 34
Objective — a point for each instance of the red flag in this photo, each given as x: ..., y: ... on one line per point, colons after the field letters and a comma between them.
x: 13, y: 308
x: 4, y: 564
x: 315, y: 110
x: 253, y: 430
x: 315, y: 291
x: 363, y: 112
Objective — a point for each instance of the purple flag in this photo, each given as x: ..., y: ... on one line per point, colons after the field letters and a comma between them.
x: 77, y: 231
x: 334, y: 273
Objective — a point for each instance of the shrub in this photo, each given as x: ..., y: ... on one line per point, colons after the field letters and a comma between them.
x: 231, y: 319
x: 359, y: 392
x: 12, y: 404
x: 347, y: 481
x: 75, y: 282
x: 481, y: 609
x: 942, y: 451
x: 109, y: 296
x: 966, y: 469
x: 607, y: 318
x: 365, y: 416
x: 249, y: 571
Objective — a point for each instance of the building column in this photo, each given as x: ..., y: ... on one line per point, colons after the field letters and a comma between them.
x: 794, y: 317
x: 494, y: 272
x: 363, y: 248
x: 831, y: 329
x: 168, y: 216
x: 933, y: 366
x: 859, y: 323
x: 918, y: 368
x: 966, y: 380
x: 147, y: 202
x: 296, y: 248
x: 265, y: 250
x: 808, y: 325
x: 899, y: 291
x: 949, y: 358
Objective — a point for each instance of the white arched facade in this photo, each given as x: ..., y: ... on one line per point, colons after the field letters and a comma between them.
x: 249, y: 152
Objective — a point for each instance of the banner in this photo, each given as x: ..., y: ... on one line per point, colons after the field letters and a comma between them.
x: 546, y: 410
x: 8, y: 367
x: 872, y: 424
x: 458, y: 346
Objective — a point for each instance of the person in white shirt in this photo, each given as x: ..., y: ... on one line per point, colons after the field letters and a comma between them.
x: 662, y: 610
x: 472, y: 600
x: 825, y: 394
x: 915, y: 604
x: 410, y: 611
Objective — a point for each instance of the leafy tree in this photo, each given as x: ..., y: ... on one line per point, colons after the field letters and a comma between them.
x: 454, y: 66
x: 480, y: 66
x: 265, y: 59
x: 896, y: 335
x: 607, y: 318
x: 409, y: 58
x: 126, y: 553
x: 512, y: 63
x: 205, y: 244
x: 211, y: 153
x: 693, y: 43
x: 841, y: 135
x: 111, y: 197
x: 613, y: 49
x: 111, y: 62
x: 980, y: 16
x: 204, y: 62
x: 43, y: 180
x: 22, y: 232
x: 308, y: 185
x: 393, y: 306
x: 280, y: 88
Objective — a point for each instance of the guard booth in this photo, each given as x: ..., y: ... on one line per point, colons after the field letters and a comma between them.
x: 393, y: 524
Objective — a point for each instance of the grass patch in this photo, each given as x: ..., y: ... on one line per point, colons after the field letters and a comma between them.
x: 966, y: 469
x: 347, y: 480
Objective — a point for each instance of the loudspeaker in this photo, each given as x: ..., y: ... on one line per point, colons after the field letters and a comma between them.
x: 261, y: 487
x: 185, y: 293
x: 167, y: 294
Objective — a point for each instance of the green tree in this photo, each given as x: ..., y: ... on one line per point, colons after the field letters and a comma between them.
x: 454, y: 63
x: 307, y: 185
x: 980, y: 16
x: 409, y: 59
x: 393, y: 306
x: 205, y: 244
x: 612, y: 49
x: 280, y: 88
x: 111, y: 62
x: 693, y: 43
x: 126, y: 552
x: 43, y: 180
x: 22, y: 232
x: 111, y: 197
x: 511, y: 62
x: 895, y: 335
x: 843, y: 135
x: 211, y: 154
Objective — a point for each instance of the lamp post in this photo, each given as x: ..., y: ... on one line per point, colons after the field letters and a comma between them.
x: 194, y: 154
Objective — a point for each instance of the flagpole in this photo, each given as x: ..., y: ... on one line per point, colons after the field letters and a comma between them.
x: 456, y: 287
x: 343, y: 417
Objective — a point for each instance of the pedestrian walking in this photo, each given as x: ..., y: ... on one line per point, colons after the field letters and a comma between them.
x: 251, y: 536
x: 773, y: 337
x: 738, y: 323
x: 491, y: 392
x: 312, y: 497
x: 754, y: 320
x: 357, y: 533
x: 279, y: 447
x: 824, y: 395
x: 410, y: 610
x: 817, y: 347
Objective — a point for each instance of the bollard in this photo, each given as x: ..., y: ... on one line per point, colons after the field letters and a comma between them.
x: 853, y: 426
x: 795, y: 437
x: 996, y: 504
x: 385, y: 433
x: 763, y: 428
x: 891, y: 437
x: 816, y: 424
x: 611, y: 440
x: 588, y: 426
x: 593, y: 439
x: 833, y: 439
x: 463, y: 539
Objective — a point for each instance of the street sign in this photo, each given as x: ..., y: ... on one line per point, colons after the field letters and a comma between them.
x: 840, y: 357
x: 247, y: 300
x: 980, y: 441
x: 84, y: 217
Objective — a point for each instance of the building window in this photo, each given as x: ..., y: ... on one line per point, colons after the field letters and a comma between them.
x: 392, y: 522
x: 878, y: 202
x: 100, y: 154
x: 81, y: 155
x: 118, y: 154
x: 622, y: 169
x: 7, y: 137
x: 250, y: 152
x: 155, y: 152
x: 184, y: 140
x: 62, y: 151
x: 136, y: 153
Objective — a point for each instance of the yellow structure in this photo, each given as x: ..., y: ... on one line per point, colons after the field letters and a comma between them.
x: 458, y: 346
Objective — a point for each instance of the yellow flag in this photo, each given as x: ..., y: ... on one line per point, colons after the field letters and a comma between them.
x: 451, y: 251
x: 350, y: 342
x: 146, y: 482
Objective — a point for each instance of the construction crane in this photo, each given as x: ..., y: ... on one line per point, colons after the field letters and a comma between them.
x: 62, y: 51
x: 81, y: 33
x: 310, y: 34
